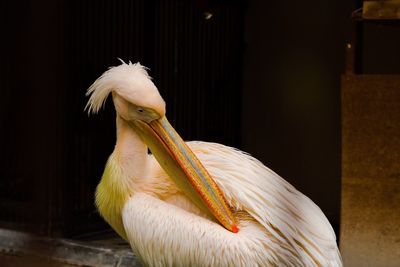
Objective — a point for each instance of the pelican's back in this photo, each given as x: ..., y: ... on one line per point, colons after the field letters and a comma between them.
x: 292, y: 218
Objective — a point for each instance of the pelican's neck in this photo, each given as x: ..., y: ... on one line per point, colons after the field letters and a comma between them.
x: 130, y: 151
x: 122, y: 175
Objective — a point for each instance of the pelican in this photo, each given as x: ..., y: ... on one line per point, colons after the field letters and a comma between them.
x: 197, y: 203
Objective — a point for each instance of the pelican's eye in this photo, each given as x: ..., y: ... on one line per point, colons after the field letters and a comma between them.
x: 142, y: 113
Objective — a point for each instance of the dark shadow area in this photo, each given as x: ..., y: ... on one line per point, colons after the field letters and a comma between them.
x: 294, y: 59
x: 53, y: 155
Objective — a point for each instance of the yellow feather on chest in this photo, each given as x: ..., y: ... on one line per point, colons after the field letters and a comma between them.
x: 112, y: 194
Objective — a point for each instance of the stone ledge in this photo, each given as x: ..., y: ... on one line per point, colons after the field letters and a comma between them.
x: 66, y: 251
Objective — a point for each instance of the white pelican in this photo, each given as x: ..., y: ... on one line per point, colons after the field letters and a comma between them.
x: 170, y: 210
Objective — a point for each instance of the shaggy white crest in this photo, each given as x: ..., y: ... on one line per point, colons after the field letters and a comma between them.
x: 128, y: 80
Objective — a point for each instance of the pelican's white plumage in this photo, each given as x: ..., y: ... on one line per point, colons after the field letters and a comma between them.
x: 279, y: 226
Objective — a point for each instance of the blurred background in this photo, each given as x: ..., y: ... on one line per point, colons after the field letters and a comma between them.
x: 299, y: 85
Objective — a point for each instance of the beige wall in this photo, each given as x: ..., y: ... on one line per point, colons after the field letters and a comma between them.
x: 370, y: 225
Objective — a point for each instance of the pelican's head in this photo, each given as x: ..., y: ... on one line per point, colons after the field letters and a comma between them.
x: 135, y: 96
x: 138, y: 102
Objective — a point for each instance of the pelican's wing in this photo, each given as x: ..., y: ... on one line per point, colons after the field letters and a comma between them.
x: 291, y: 217
x: 162, y: 234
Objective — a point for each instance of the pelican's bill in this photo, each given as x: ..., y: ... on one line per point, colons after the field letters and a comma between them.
x: 185, y: 169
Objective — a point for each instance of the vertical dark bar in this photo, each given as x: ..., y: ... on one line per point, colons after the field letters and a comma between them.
x: 358, y: 33
x: 358, y: 47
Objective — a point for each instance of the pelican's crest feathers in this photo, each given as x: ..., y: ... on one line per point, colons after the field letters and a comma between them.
x: 119, y: 79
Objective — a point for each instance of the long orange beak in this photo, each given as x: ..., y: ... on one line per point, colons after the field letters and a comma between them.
x: 185, y: 169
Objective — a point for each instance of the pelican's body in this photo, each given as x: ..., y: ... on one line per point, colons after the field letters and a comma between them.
x: 267, y: 221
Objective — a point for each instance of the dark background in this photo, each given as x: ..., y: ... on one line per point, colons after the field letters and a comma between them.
x: 261, y: 76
